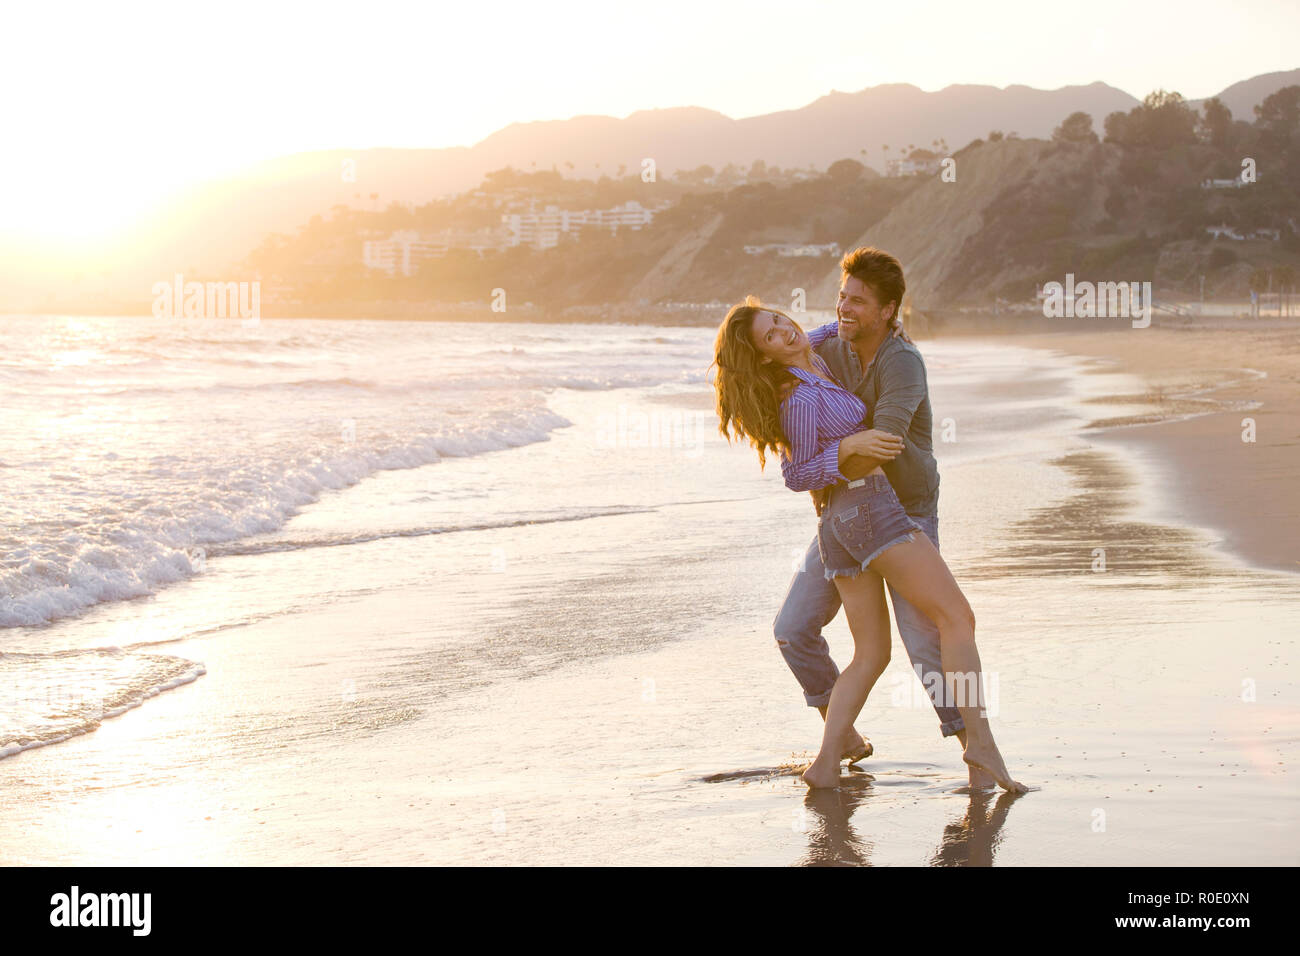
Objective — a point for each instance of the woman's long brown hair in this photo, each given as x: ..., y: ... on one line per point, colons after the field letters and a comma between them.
x: 748, y: 390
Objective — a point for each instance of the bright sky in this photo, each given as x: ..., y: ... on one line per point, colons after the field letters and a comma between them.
x: 107, y: 106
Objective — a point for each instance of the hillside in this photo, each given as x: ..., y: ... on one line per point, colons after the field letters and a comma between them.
x: 215, y: 224
x: 1019, y: 213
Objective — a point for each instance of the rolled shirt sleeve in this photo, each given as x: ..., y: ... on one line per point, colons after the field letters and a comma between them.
x: 823, y: 332
x: 806, y: 469
x: 902, y: 389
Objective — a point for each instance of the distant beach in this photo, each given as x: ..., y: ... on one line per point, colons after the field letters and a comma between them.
x: 1200, y: 381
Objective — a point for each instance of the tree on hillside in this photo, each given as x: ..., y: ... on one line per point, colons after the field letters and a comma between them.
x: 1170, y: 120
x: 700, y: 174
x: 730, y: 175
x: 1279, y: 115
x: 845, y: 171
x: 1217, y: 122
x: 1162, y: 121
x: 995, y: 136
x: 1075, y: 128
x: 1281, y: 108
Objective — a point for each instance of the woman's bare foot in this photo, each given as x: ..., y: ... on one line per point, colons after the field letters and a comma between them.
x: 988, y: 759
x: 820, y: 774
x: 978, y: 778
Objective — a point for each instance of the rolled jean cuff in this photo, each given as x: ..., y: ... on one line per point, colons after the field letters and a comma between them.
x: 950, y: 727
x: 819, y: 700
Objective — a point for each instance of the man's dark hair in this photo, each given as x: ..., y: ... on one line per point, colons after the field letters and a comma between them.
x: 878, y: 270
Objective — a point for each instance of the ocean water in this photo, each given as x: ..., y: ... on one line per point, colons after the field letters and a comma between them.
x: 136, y: 451
x: 394, y: 592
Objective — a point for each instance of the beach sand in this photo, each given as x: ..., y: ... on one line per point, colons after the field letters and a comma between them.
x: 608, y: 691
x: 1200, y: 383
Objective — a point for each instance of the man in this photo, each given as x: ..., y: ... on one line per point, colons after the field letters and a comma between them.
x: 888, y: 374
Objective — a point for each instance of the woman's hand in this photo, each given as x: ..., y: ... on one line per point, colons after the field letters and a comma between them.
x: 873, y: 443
x: 897, y: 326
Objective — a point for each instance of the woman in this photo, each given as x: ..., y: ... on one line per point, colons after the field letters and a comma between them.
x: 774, y: 391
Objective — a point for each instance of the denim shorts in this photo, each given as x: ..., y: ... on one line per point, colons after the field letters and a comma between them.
x: 859, y: 524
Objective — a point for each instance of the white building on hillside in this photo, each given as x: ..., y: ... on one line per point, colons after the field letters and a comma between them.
x: 912, y: 167
x: 543, y: 230
x: 793, y: 249
x: 404, y: 251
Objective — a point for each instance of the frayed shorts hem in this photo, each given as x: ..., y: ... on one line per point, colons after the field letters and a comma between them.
x: 832, y: 573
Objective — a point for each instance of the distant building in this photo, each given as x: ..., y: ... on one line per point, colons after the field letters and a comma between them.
x: 913, y: 167
x: 791, y: 249
x: 543, y: 230
x: 1228, y: 232
x: 404, y: 251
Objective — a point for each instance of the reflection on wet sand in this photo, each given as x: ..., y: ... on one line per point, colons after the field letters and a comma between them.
x: 833, y: 841
x: 826, y: 817
x: 1064, y: 538
x: 974, y: 839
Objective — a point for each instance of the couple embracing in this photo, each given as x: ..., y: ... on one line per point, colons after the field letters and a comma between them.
x: 847, y: 409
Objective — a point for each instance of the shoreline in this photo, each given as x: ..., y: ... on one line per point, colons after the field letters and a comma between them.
x: 924, y: 326
x: 1217, y: 422
x: 1183, y: 424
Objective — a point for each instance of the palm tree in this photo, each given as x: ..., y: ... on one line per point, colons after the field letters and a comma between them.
x: 1285, y: 276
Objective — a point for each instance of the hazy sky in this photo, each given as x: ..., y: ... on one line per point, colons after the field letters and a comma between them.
x: 106, y: 105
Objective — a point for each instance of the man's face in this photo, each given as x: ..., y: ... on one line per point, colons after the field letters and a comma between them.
x: 859, y: 311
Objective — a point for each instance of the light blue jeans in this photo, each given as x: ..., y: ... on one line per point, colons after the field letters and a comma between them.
x: 812, y: 602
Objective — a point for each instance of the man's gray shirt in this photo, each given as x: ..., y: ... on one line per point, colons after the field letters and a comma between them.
x: 897, y: 397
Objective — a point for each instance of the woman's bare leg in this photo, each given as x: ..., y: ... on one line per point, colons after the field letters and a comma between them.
x: 916, y: 569
x: 864, y: 606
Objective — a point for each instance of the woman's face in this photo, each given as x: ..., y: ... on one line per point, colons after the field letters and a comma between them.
x: 777, y: 338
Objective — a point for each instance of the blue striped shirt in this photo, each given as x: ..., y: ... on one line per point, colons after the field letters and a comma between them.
x: 823, y: 332
x: 814, y: 417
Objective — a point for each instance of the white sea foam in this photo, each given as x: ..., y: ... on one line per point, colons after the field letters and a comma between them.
x: 135, y: 446
x: 48, y: 698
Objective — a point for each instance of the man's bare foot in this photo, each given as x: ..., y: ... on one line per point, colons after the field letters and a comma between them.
x: 855, y: 747
x: 821, y: 775
x: 990, y: 761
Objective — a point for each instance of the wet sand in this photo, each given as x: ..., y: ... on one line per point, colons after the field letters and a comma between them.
x: 1199, y: 385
